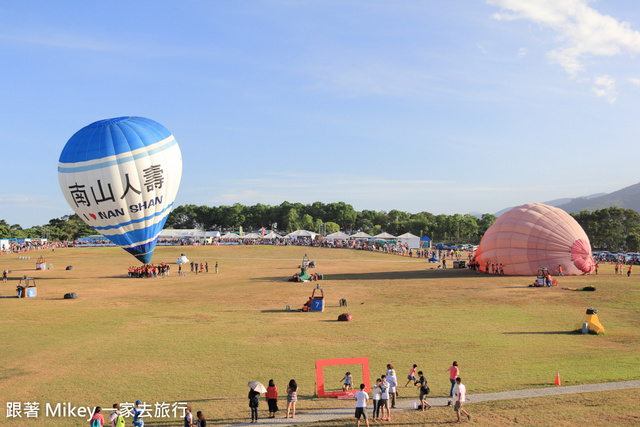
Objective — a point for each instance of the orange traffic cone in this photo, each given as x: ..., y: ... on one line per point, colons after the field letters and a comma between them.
x: 558, y: 382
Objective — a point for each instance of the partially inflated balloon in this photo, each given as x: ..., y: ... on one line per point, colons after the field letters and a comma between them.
x: 121, y: 177
x: 536, y: 235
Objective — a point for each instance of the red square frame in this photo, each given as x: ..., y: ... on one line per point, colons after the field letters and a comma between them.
x: 320, y: 364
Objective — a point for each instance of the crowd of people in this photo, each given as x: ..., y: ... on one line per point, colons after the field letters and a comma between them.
x: 150, y: 271
x: 118, y: 414
x: 384, y: 395
x: 17, y: 247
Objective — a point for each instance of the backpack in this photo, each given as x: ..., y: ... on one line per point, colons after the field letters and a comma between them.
x: 120, y: 421
x: 95, y: 422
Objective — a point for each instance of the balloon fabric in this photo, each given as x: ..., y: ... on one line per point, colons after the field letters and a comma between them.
x: 121, y: 177
x: 536, y: 235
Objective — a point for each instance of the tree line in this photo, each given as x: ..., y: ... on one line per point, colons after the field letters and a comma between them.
x: 288, y: 217
x: 610, y: 228
x: 69, y: 227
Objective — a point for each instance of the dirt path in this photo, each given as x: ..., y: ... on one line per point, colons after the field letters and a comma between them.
x: 405, y: 404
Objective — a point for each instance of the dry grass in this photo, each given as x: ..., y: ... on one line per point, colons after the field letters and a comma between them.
x: 201, y: 338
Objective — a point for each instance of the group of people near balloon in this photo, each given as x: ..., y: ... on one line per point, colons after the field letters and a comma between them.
x: 149, y: 271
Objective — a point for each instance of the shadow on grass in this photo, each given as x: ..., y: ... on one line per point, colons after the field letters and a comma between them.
x: 384, y: 275
x: 541, y: 333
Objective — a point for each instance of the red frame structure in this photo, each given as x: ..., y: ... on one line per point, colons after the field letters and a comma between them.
x: 320, y: 364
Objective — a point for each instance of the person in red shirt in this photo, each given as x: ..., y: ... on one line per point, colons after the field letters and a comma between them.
x: 97, y: 416
x: 272, y: 399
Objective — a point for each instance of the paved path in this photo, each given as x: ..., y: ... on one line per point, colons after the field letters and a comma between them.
x: 336, y: 413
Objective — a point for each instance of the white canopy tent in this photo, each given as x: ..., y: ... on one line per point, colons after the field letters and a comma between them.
x: 301, y: 233
x: 409, y: 239
x: 272, y: 235
x: 230, y: 236
x: 384, y: 236
x: 338, y: 235
x: 194, y: 234
x: 251, y: 236
x: 361, y: 235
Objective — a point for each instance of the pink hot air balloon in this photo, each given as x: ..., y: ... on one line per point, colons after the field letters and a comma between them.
x: 536, y: 235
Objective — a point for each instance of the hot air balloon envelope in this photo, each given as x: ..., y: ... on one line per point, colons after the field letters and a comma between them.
x: 121, y: 177
x: 536, y: 235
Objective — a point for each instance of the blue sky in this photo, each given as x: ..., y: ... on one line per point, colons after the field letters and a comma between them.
x: 439, y: 106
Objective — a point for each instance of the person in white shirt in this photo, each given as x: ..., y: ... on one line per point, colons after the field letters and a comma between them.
x: 361, y: 406
x: 461, y: 393
x: 384, y: 399
x: 376, y: 399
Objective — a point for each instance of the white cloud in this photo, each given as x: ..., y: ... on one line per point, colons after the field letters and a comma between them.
x: 606, y: 88
x: 522, y: 52
x: 635, y: 81
x: 581, y: 30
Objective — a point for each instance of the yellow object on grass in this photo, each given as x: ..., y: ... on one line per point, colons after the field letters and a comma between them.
x: 592, y: 321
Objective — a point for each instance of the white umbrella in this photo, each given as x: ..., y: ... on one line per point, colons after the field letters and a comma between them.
x: 257, y: 386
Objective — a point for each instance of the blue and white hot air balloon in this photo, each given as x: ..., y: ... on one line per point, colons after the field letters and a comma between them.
x: 121, y: 177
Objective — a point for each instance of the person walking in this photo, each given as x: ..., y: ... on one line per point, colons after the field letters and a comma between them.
x: 453, y: 374
x: 361, y: 406
x: 412, y: 375
x: 116, y: 418
x: 560, y: 273
x: 424, y: 390
x: 97, y: 420
x: 461, y: 397
x: 629, y: 270
x: 292, y: 397
x: 272, y: 399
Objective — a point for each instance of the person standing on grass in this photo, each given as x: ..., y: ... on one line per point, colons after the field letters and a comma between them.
x: 384, y: 399
x: 629, y: 270
x: 253, y: 404
x: 412, y: 375
x: 462, y: 395
x: 393, y: 387
x: 216, y: 267
x: 597, y: 266
x: 376, y: 400
x: 137, y: 414
x: 202, y: 421
x: 453, y: 374
x: 424, y: 390
x: 188, y: 418
x: 361, y: 406
x: 206, y: 266
x: 272, y: 399
x: 292, y: 397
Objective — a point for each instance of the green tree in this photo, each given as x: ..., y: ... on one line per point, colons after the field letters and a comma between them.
x: 332, y: 227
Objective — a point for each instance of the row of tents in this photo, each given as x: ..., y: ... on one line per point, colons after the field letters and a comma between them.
x: 407, y: 239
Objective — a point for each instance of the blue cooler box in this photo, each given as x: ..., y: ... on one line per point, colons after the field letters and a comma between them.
x: 317, y: 305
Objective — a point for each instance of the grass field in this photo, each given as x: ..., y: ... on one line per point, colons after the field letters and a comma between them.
x: 200, y: 339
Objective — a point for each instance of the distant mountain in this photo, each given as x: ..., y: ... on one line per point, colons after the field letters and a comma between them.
x: 560, y: 203
x: 627, y: 198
